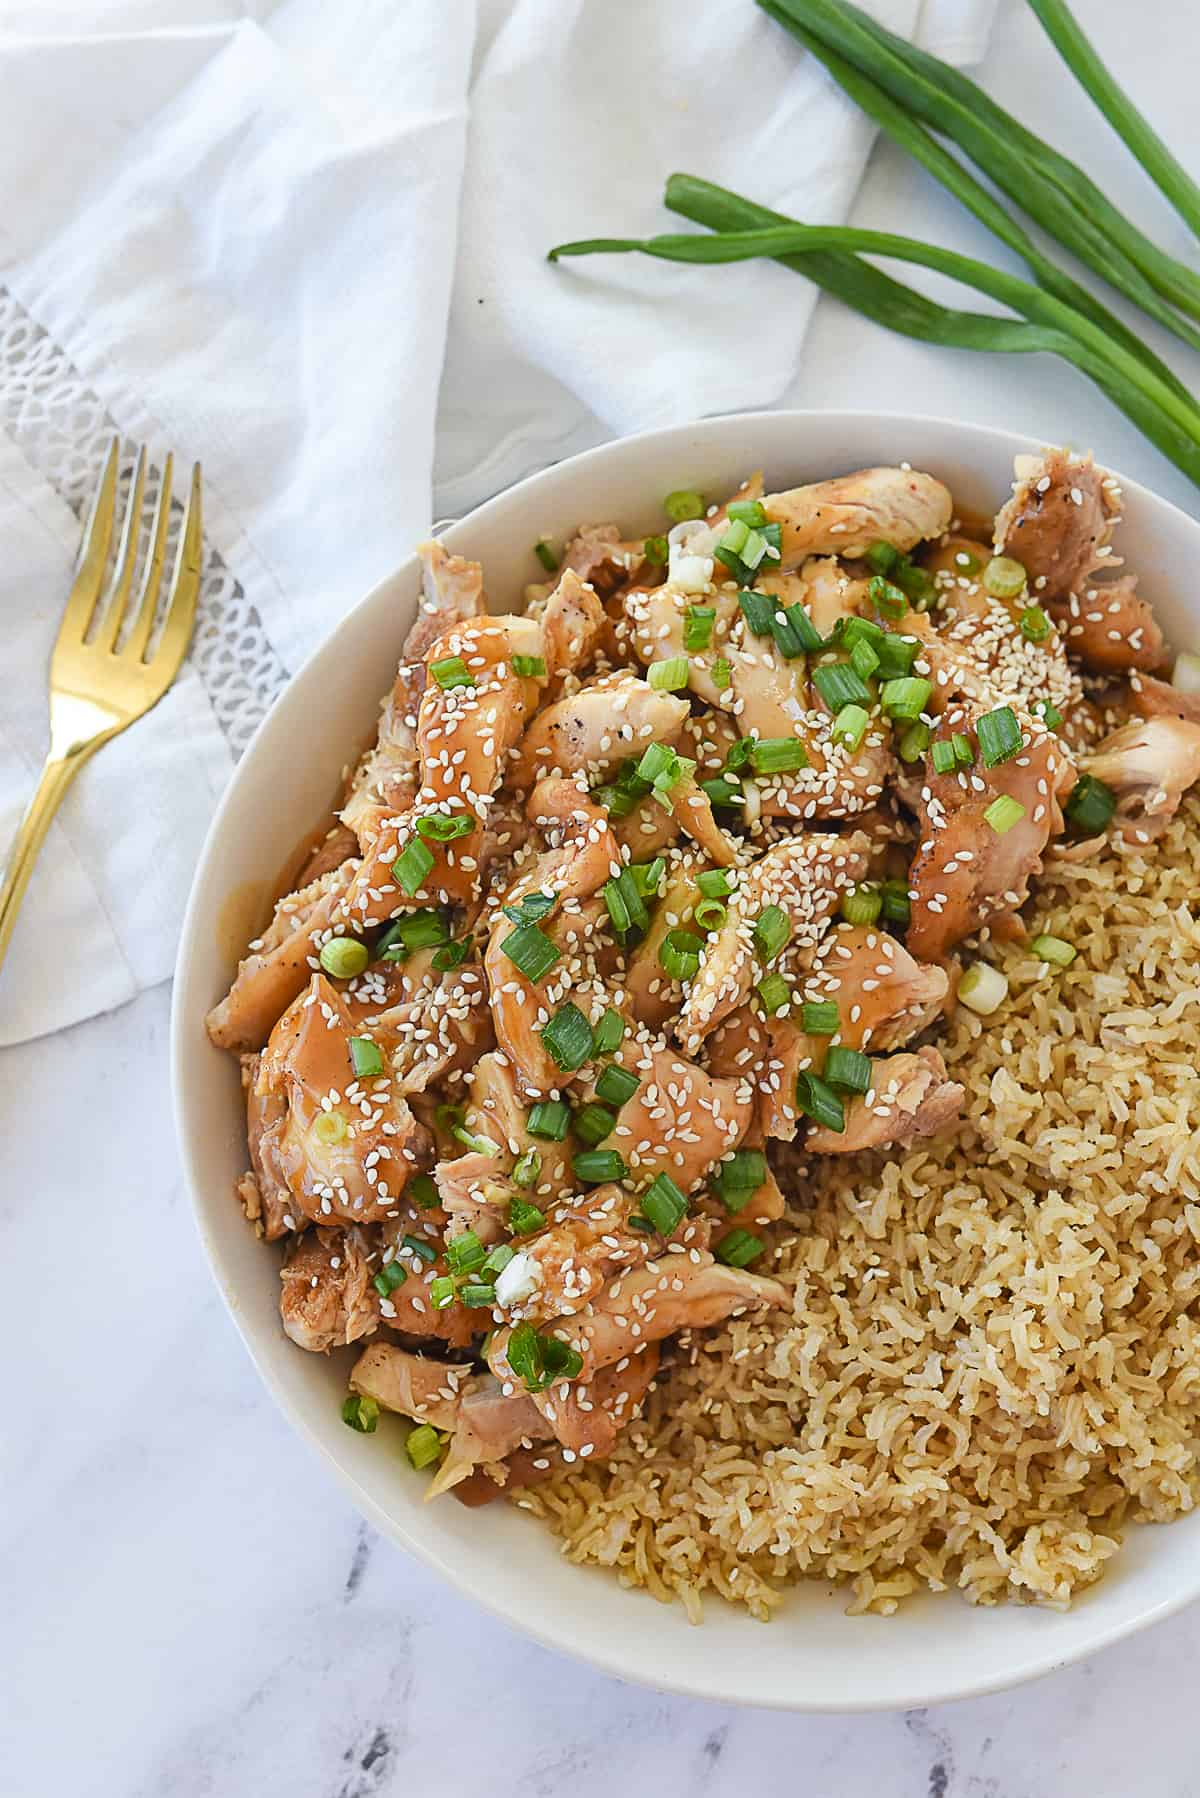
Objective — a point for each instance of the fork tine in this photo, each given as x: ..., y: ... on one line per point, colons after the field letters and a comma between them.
x: 139, y: 636
x: 185, y: 588
x: 93, y: 553
x: 131, y: 531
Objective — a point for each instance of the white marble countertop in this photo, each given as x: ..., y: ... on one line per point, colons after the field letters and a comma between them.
x: 192, y: 1610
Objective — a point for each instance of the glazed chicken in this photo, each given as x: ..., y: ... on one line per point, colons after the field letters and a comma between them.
x: 646, y: 898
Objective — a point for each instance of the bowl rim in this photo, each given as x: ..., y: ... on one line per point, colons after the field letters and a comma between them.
x: 1025, y: 1667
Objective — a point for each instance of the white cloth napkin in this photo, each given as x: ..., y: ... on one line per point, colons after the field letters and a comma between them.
x: 258, y: 238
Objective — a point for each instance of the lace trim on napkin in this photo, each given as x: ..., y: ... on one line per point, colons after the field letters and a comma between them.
x: 64, y: 432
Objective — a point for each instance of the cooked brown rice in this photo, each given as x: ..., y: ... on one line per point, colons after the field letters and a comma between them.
x: 992, y: 1363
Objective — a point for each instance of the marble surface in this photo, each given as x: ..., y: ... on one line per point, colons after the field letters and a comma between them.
x: 190, y: 1608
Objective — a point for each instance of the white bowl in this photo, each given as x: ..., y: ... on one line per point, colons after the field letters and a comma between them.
x: 812, y: 1656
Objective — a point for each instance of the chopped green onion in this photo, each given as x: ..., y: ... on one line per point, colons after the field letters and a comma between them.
x: 330, y: 1127
x: 365, y: 1057
x: 710, y: 914
x: 722, y: 674
x: 1035, y: 624
x: 616, y: 1086
x: 391, y: 1274
x: 999, y: 736
x: 476, y: 1294
x: 914, y: 741
x: 819, y: 1102
x: 531, y: 951
x: 778, y: 755
x: 882, y: 556
x: 658, y: 760
x: 820, y: 1017
x: 624, y: 904
x: 905, y: 699
x: 451, y: 672
x: 523, y: 1218
x: 344, y: 957
x: 418, y: 930
x: 527, y: 1169
x: 361, y: 1413
x: 1003, y: 813
x: 568, y: 1038
x: 915, y: 582
x: 452, y: 955
x: 679, y: 954
x: 747, y: 511
x: 715, y: 883
x: 593, y: 1123
x: 886, y: 598
x: 964, y: 755
x: 864, y: 660
x: 418, y: 1246
x: 738, y: 1248
x: 664, y: 1204
x: 656, y: 550
x: 465, y: 1253
x: 983, y: 989
x: 442, y: 1291
x: 759, y: 610
x: 682, y: 505
x: 1053, y: 949
x: 799, y: 630
x: 1004, y: 577
x: 850, y: 725
x: 529, y: 667
x: 1091, y: 805
x: 549, y: 1119
x: 722, y: 791
x: 738, y: 756
x: 423, y: 1192
x: 597, y: 1165
x: 897, y: 906
x: 1049, y: 714
x: 743, y: 1171
x: 774, y: 993
x: 896, y: 655
x: 647, y: 877
x: 771, y: 931
x: 445, y: 827
x: 609, y: 1033
x: 852, y: 629
x: 839, y: 685
x: 862, y: 904
x: 423, y: 1446
x: 539, y: 1360
x: 411, y: 866
x: 546, y: 556
x: 668, y: 676
x: 943, y: 756
x: 447, y: 1116
x: 698, y: 627
x: 849, y: 1069
x: 529, y: 909
x: 470, y: 1139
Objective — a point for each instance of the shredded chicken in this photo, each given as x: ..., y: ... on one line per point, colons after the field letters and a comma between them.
x: 543, y: 999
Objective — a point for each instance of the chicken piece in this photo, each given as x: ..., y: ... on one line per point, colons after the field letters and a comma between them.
x: 1058, y: 523
x: 279, y: 964
x: 965, y: 873
x: 884, y: 995
x: 770, y: 1050
x: 603, y: 723
x: 695, y: 814
x: 682, y: 1119
x: 1149, y: 763
x: 475, y: 1195
x: 264, y: 1193
x: 717, y: 517
x: 912, y: 1096
x: 845, y: 516
x: 426, y: 1390
x: 651, y: 994
x: 1152, y: 698
x: 831, y: 594
x: 587, y: 1240
x: 646, y: 831
x: 600, y: 556
x: 491, y: 1423
x: 388, y: 776
x: 498, y: 1110
x: 583, y: 857
x: 344, y: 1146
x: 587, y: 1416
x: 329, y: 851
x: 327, y: 1300
x: 658, y: 618
x: 571, y: 621
x: 438, y: 1024
x: 1110, y: 628
x: 804, y: 875
x: 679, y: 1291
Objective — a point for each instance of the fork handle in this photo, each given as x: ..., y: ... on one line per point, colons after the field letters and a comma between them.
x: 58, y: 771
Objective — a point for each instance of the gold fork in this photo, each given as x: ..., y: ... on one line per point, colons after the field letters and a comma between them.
x: 99, y: 687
